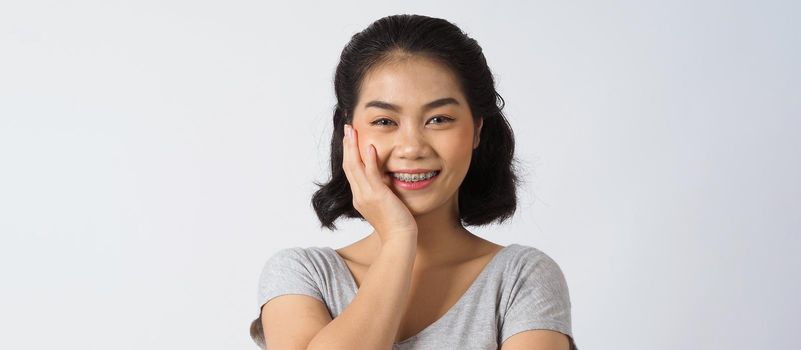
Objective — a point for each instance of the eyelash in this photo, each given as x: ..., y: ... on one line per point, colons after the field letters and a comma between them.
x: 446, y: 120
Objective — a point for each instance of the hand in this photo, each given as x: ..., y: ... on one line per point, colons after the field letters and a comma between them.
x: 390, y: 218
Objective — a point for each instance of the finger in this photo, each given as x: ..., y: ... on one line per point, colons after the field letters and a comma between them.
x: 355, y: 164
x: 371, y: 168
x: 346, y: 159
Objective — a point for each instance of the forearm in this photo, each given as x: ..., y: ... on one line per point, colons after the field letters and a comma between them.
x: 372, y: 319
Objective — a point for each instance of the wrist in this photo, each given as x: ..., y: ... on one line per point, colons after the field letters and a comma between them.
x: 402, y: 240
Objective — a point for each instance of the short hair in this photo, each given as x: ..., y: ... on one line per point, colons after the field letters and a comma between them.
x: 488, y: 191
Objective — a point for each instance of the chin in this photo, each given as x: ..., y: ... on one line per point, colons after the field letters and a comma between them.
x: 416, y: 205
x: 421, y: 206
x: 421, y: 212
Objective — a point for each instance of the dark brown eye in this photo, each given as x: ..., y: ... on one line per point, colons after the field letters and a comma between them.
x: 443, y: 119
x: 381, y: 122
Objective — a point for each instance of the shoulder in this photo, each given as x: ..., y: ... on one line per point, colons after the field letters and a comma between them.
x: 523, y: 256
x: 284, y: 259
x: 317, y: 263
x: 535, y: 293
x: 288, y: 253
x: 531, y: 270
x: 297, y: 255
x: 293, y: 270
x: 285, y: 262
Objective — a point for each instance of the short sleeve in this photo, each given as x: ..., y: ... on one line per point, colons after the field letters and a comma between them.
x: 288, y: 271
x: 538, y: 297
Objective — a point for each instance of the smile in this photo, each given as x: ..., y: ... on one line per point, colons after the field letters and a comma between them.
x: 414, y: 181
x: 405, y: 177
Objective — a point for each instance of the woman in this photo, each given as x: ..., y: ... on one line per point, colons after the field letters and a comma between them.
x: 420, y: 149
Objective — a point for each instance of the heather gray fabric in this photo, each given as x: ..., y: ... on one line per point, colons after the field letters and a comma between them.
x: 520, y: 289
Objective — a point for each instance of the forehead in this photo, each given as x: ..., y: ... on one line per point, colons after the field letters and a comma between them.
x: 411, y: 81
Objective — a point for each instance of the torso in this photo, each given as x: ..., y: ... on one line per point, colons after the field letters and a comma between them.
x: 433, y: 291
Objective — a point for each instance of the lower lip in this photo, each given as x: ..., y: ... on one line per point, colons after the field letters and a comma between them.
x: 413, y: 185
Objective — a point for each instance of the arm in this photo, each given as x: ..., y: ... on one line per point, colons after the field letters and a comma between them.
x: 372, y: 319
x: 538, y: 311
x: 537, y: 339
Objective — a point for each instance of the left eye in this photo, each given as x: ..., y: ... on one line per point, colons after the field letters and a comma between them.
x: 387, y: 122
x: 443, y: 119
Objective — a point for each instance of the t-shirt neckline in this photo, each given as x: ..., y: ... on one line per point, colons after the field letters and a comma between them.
x: 451, y: 310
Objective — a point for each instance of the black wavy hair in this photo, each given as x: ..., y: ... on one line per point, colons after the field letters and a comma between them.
x: 488, y: 191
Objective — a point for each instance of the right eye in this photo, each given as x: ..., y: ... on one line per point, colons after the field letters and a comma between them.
x: 382, y: 122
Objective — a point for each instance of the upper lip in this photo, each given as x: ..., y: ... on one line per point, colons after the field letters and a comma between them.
x: 412, y: 171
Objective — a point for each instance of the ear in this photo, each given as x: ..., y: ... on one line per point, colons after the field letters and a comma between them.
x: 477, y: 133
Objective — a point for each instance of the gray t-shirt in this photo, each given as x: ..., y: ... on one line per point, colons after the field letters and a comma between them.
x: 520, y: 289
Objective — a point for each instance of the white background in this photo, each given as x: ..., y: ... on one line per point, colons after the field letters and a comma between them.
x: 154, y: 154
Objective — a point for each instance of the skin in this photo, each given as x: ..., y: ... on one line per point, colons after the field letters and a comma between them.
x: 442, y: 139
x: 447, y: 257
x: 417, y: 233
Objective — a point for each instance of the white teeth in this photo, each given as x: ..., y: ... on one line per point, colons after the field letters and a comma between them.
x: 414, y: 177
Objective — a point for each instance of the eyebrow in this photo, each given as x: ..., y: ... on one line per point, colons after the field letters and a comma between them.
x: 431, y: 105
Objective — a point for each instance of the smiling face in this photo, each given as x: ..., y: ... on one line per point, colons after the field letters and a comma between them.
x: 413, y: 111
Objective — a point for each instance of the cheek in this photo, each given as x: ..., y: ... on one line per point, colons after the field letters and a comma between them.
x: 365, y: 140
x: 382, y: 150
x: 457, y: 150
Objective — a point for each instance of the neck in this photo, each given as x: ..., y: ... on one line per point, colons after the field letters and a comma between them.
x: 441, y: 238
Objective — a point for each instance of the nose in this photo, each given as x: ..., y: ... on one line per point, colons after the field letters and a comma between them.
x: 411, y: 143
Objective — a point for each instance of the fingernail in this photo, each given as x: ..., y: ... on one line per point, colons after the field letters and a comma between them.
x: 347, y: 131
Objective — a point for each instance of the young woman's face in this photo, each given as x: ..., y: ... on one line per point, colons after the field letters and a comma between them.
x: 416, y: 116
